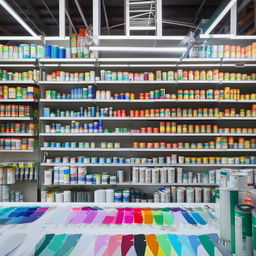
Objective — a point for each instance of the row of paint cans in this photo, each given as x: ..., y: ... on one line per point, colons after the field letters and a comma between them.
x: 50, y: 197
x: 235, y: 178
x: 182, y: 195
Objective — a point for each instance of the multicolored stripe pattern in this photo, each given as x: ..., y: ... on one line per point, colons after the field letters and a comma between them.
x: 128, y: 245
x: 157, y: 216
x: 21, y: 215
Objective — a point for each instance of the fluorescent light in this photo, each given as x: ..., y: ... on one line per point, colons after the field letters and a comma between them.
x: 139, y: 60
x: 243, y: 37
x: 220, y: 16
x: 21, y: 38
x: 17, y: 17
x: 206, y: 36
x: 138, y: 49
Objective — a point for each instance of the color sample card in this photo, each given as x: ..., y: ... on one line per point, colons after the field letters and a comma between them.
x: 21, y: 215
x: 127, y: 245
x: 156, y: 216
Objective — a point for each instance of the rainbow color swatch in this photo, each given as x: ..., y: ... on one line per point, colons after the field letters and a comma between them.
x: 128, y: 245
x: 159, y: 216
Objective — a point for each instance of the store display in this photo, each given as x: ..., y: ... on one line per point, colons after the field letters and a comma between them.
x: 180, y: 74
x: 30, y: 75
x: 71, y: 77
x: 10, y: 110
x: 18, y: 127
x: 163, y: 112
x: 91, y: 92
x: 7, y: 92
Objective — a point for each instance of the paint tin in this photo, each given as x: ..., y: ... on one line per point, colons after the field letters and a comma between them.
x: 142, y: 175
x: 120, y: 176
x: 135, y: 175
x: 155, y: 175
x: 173, y: 194
x: 243, y: 230
x: 190, y: 195
x: 11, y: 175
x: 163, y: 175
x: 6, y: 193
x: 198, y: 195
x: 238, y: 181
x: 207, y: 195
x: 180, y: 195
x: 48, y: 177
x: 148, y: 175
x: 179, y: 175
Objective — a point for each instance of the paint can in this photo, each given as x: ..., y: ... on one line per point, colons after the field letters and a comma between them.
x: 48, y: 177
x: 238, y: 181
x: 243, y: 230
x: 198, y: 195
x: 135, y: 175
x: 67, y: 196
x: 180, y: 195
x: 190, y: 195
x: 229, y: 198
x: 173, y: 194
x: 207, y: 195
x: 11, y: 175
x: 171, y: 175
x: 254, y: 231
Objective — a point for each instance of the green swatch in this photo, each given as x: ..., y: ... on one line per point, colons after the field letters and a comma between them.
x: 158, y: 217
x: 54, y: 246
x: 164, y: 243
x: 41, y: 245
x: 207, y: 244
x: 68, y: 245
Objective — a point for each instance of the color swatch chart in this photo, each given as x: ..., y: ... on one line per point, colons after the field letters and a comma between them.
x: 21, y: 215
x: 157, y: 216
x: 65, y: 244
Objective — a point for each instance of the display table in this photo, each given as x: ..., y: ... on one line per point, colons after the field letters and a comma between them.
x: 112, y: 229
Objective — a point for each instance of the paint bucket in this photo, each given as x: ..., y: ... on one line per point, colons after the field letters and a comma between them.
x: 229, y: 198
x: 254, y: 231
x: 243, y: 230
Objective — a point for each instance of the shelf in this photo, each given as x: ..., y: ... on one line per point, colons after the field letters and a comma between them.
x: 64, y: 82
x: 16, y: 151
x: 127, y: 82
x: 18, y: 82
x: 17, y: 135
x: 15, y: 118
x: 144, y: 134
x: 18, y: 100
x: 142, y: 101
x: 69, y: 61
x: 152, y: 165
x: 19, y: 62
x: 133, y: 184
x: 145, y: 118
x: 146, y: 149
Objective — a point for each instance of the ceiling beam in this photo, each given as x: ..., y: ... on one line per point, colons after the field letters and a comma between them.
x: 36, y: 17
x: 81, y: 13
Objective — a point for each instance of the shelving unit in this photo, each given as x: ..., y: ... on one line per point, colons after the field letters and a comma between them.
x: 126, y: 138
x: 29, y: 188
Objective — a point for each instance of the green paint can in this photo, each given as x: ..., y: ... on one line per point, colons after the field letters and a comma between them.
x: 254, y: 231
x: 243, y: 230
